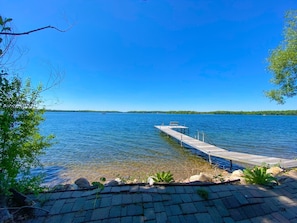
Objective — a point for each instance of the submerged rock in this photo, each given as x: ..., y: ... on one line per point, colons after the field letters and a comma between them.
x: 82, y: 183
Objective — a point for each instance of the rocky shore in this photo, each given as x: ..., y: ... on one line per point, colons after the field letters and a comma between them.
x: 201, y: 178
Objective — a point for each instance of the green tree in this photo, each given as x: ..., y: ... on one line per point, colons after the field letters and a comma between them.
x: 283, y: 62
x: 20, y: 140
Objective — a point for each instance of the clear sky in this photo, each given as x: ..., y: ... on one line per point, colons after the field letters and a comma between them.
x: 151, y: 55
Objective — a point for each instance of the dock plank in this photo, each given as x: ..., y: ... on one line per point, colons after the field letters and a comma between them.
x: 215, y: 151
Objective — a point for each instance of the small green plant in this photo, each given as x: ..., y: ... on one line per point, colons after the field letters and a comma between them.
x: 165, y: 177
x: 203, y: 193
x: 99, y: 185
x: 258, y: 175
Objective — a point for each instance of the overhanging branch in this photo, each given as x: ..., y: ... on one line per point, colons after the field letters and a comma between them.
x: 31, y: 31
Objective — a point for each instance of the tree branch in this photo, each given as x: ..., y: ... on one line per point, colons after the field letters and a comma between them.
x: 31, y: 31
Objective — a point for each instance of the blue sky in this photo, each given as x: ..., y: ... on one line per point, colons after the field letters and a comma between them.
x: 151, y: 55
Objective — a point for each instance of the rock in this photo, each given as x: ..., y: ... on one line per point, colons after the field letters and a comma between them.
x: 71, y: 187
x: 293, y: 173
x: 82, y: 183
x: 150, y: 181
x: 274, y: 171
x: 59, y: 187
x: 112, y: 183
x: 202, y: 177
x: 236, y: 174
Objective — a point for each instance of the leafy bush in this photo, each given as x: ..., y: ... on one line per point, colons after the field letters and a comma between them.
x: 20, y: 140
x: 258, y: 175
x: 166, y: 177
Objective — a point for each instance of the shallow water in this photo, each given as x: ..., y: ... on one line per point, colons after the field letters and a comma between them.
x: 92, y: 145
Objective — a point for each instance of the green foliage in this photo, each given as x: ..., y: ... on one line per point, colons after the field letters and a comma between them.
x: 20, y: 140
x: 258, y: 175
x: 283, y: 62
x: 203, y: 193
x: 166, y: 177
x: 4, y: 28
x: 99, y: 185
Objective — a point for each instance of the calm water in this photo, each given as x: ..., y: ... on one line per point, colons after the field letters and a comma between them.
x: 93, y: 144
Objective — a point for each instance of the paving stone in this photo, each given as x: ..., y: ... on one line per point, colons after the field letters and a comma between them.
x: 215, y: 215
x: 124, y: 188
x: 67, y: 207
x: 159, y: 207
x: 157, y: 197
x: 228, y: 220
x: 66, y: 194
x: 79, y: 220
x: 91, y: 204
x: 231, y: 202
x: 170, y: 190
x: 115, y: 211
x: 217, y: 188
x: 126, y: 199
x: 105, y: 201
x: 190, y: 218
x: 116, y: 199
x: 161, y: 217
x: 100, y: 214
x: 78, y: 204
x: 53, y: 219
x: 186, y: 198
x: 137, y: 198
x: 55, y: 195
x: 124, y: 210
x: 137, y: 219
x: 134, y: 209
x: 76, y: 194
x: 188, y: 208
x: 126, y: 219
x: 115, y: 189
x: 237, y: 215
x: 200, y: 206
x: 180, y: 189
x: 134, y: 188
x: 240, y: 198
x: 174, y: 209
x: 88, y: 215
x: 57, y: 206
x: 189, y: 190
x: 203, y: 218
x: 166, y: 197
x: 223, y: 211
x: 173, y: 219
x: 67, y: 218
x: 147, y: 198
x: 149, y: 214
x: 176, y: 199
x: 106, y: 190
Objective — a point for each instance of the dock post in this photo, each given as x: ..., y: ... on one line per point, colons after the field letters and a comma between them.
x: 202, y: 136
x: 197, y: 134
x: 209, y: 158
x: 181, y: 140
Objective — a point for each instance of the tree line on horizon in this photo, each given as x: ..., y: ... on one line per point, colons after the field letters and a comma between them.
x: 281, y: 112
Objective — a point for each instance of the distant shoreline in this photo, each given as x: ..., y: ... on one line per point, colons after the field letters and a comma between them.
x: 281, y: 112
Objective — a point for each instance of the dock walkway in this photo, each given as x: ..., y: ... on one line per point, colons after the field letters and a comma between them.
x: 214, y: 151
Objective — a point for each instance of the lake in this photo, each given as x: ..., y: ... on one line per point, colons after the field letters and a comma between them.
x: 126, y: 145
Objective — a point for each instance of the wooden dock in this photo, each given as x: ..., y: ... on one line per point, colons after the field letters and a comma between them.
x: 213, y: 151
